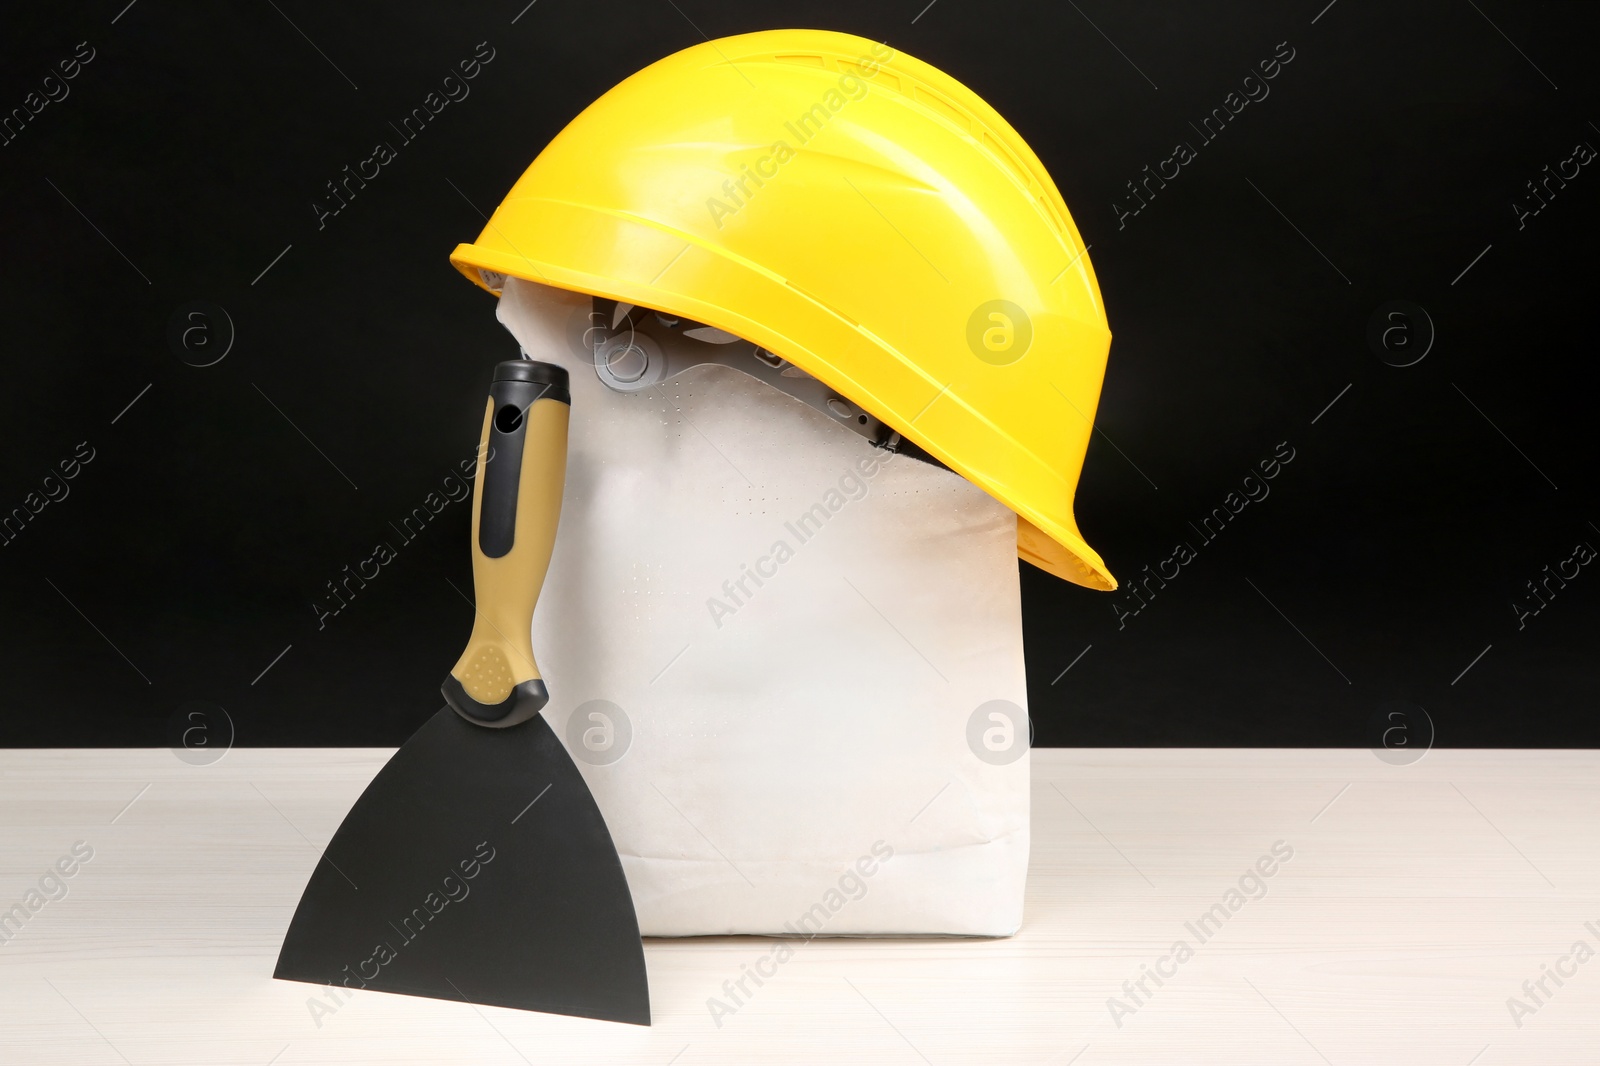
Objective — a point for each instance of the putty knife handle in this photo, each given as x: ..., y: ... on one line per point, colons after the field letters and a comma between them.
x: 516, y: 502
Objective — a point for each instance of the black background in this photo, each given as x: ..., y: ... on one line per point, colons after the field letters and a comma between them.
x: 1386, y: 158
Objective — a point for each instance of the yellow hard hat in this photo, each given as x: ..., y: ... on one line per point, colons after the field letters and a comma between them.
x: 858, y: 213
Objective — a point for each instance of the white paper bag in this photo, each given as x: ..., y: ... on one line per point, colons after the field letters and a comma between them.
x: 789, y: 664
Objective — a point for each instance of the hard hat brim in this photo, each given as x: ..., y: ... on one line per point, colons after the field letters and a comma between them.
x: 1045, y: 541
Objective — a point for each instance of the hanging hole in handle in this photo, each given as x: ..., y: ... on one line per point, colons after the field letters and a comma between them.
x: 508, y: 419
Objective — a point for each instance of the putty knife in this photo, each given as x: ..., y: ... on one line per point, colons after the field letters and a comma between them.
x: 476, y: 865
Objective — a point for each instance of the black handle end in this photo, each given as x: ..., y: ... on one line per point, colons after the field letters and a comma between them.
x: 532, y: 370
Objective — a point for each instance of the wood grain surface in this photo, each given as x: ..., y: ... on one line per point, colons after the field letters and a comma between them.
x: 1414, y: 904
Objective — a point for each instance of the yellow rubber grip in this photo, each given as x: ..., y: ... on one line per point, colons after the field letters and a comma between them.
x: 499, y: 653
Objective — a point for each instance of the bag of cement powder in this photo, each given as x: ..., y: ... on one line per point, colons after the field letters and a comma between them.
x: 788, y: 663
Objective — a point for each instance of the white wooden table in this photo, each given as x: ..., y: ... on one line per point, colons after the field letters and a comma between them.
x: 1417, y: 902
